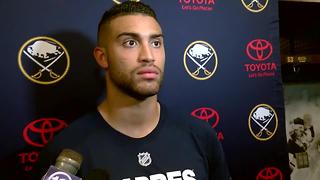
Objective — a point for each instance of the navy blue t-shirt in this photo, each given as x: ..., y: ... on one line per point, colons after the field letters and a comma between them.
x: 179, y: 148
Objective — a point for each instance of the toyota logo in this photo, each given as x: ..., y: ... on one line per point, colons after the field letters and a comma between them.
x: 269, y: 173
x: 207, y: 114
x: 259, y: 50
x: 44, y: 129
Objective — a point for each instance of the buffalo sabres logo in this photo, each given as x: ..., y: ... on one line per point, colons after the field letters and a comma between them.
x: 263, y: 122
x: 144, y: 159
x: 119, y: 1
x: 43, y: 60
x: 200, y: 60
x: 255, y: 5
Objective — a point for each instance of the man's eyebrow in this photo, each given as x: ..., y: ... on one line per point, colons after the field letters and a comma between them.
x: 157, y: 36
x: 136, y: 35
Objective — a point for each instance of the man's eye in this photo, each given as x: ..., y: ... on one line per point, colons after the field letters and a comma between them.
x: 130, y: 43
x: 156, y: 44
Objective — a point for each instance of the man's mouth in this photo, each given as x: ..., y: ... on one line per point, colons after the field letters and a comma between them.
x: 148, y: 73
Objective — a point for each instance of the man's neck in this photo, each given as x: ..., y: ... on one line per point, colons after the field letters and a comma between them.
x: 134, y: 118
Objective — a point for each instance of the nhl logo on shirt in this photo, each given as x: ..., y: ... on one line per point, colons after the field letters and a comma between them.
x: 144, y: 159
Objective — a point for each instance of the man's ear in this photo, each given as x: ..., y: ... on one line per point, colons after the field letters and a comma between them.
x: 101, y: 57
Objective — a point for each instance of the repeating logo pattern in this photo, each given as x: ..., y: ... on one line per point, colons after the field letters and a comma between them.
x: 39, y: 132
x: 119, y: 1
x: 200, y: 60
x: 43, y: 60
x: 144, y: 159
x: 270, y: 173
x: 263, y: 122
x: 259, y: 51
x: 207, y: 114
x: 211, y: 116
x: 255, y: 5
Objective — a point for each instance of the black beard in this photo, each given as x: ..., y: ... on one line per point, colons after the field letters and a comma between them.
x: 128, y: 86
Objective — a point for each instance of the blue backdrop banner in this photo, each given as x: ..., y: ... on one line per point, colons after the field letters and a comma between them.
x: 222, y: 66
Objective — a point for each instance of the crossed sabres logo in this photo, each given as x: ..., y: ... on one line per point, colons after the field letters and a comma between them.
x: 263, y: 122
x: 255, y: 5
x: 43, y: 60
x: 200, y: 60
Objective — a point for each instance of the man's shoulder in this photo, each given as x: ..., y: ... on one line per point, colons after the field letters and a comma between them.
x: 83, y: 123
x: 72, y: 137
x: 76, y: 131
x: 90, y: 119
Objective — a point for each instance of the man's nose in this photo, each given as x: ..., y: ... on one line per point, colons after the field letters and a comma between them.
x: 146, y: 54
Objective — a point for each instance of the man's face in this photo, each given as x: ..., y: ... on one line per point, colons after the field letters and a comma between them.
x: 299, y: 130
x: 135, y: 55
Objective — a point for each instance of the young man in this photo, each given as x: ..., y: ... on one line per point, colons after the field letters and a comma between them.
x: 131, y: 51
x: 132, y: 136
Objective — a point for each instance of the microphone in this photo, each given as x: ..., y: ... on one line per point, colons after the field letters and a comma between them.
x: 97, y: 174
x: 66, y: 167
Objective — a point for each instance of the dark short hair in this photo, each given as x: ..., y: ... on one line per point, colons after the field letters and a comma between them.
x: 298, y: 121
x: 126, y: 8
